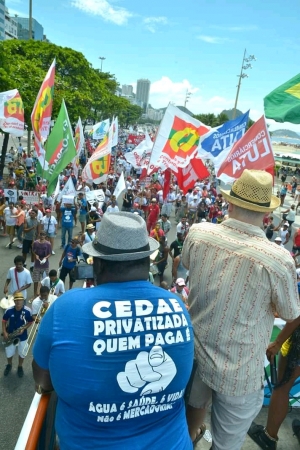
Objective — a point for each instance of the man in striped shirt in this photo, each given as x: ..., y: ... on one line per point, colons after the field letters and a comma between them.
x: 233, y: 313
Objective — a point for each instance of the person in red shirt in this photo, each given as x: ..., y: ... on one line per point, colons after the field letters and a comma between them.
x: 153, y: 214
x: 157, y: 232
x: 296, y: 243
x: 213, y: 212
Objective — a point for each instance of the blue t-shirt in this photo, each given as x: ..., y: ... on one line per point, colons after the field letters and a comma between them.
x: 119, y: 365
x: 67, y: 220
x: 83, y: 206
x: 70, y: 253
x: 17, y: 319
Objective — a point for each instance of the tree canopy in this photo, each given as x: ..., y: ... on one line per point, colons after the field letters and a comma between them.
x: 88, y: 92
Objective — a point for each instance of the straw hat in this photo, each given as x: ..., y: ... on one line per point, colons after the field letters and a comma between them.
x: 122, y: 237
x: 253, y: 191
x: 18, y: 296
x: 90, y: 226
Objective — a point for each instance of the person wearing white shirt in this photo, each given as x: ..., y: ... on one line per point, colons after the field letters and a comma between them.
x: 49, y: 224
x: 10, y: 215
x: 18, y: 278
x: 55, y: 284
x: 41, y: 303
x: 113, y: 207
x: 168, y: 203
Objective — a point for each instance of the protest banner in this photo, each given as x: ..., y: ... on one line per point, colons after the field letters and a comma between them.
x: 95, y: 196
x: 11, y: 195
x: 30, y: 197
x: 252, y: 151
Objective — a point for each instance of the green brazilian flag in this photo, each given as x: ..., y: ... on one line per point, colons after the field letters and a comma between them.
x: 60, y: 148
x: 283, y: 104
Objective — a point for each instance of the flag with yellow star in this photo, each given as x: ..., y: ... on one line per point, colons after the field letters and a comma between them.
x: 283, y: 104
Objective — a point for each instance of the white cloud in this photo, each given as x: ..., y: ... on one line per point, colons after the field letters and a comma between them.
x: 212, y: 39
x: 104, y: 9
x: 152, y: 22
x: 242, y: 28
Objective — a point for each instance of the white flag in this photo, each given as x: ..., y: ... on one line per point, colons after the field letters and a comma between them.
x: 121, y: 186
x: 68, y: 189
x: 100, y: 129
x: 115, y: 131
x: 79, y: 143
x: 139, y: 157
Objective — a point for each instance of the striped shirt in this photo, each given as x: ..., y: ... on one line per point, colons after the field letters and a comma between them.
x: 237, y: 280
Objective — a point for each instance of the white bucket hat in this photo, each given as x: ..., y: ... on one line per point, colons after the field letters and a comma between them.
x: 122, y: 237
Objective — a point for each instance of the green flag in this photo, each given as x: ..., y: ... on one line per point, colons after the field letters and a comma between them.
x: 283, y: 104
x: 60, y: 148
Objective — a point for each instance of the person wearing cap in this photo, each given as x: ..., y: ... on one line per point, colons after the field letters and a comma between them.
x: 16, y: 317
x: 283, y: 229
x: 87, y: 237
x: 49, y: 225
x: 153, y: 214
x: 136, y: 209
x: 182, y: 290
x: 278, y: 241
x: 126, y: 347
x: 233, y: 318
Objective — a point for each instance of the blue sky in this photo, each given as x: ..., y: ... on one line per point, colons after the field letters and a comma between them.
x: 194, y: 45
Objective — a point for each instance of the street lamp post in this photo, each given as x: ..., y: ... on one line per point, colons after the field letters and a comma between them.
x: 30, y: 20
x: 245, y: 65
x: 102, y: 59
x: 187, y: 97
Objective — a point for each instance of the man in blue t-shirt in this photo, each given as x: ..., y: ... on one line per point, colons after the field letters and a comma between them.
x: 121, y: 358
x: 68, y: 261
x: 67, y: 222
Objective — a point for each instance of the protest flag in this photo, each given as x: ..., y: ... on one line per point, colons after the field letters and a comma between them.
x: 60, y: 148
x: 41, y: 114
x: 139, y: 157
x: 12, y: 113
x: 121, y: 186
x: 100, y: 129
x: 176, y: 141
x: 115, y: 132
x: 283, y: 104
x: 79, y: 143
x: 252, y: 151
x: 218, y: 141
x: 68, y: 189
x: 187, y: 176
x: 97, y: 167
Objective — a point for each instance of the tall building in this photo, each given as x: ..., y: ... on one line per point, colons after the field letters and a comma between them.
x: 142, y: 92
x: 11, y: 26
x: 2, y: 20
x: 23, y: 29
x: 127, y: 89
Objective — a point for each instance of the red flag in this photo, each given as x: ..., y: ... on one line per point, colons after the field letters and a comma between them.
x: 187, y: 176
x: 167, y: 183
x: 252, y: 151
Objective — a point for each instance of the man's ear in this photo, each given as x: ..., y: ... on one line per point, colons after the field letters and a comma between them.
x: 230, y: 207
